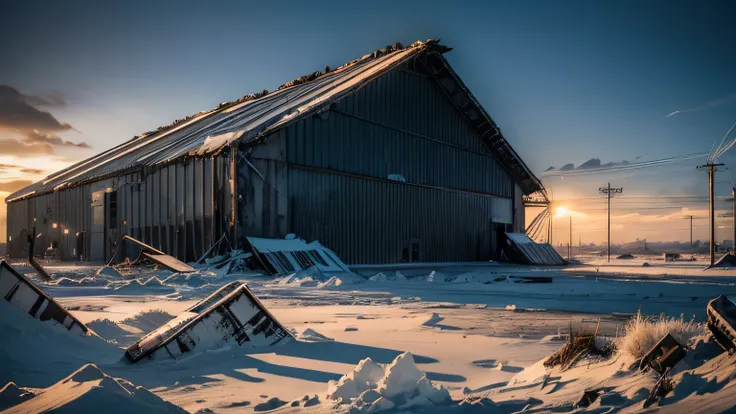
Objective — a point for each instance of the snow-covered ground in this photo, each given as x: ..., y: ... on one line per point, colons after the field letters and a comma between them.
x: 473, y: 330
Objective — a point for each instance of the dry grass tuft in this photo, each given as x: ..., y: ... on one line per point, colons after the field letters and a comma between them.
x: 579, y: 344
x: 641, y: 334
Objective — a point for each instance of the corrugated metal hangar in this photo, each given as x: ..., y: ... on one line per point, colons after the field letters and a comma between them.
x: 387, y: 158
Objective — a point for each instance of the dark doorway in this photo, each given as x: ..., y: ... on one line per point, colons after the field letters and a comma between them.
x: 79, y: 250
x: 111, y: 224
x: 499, y: 239
x: 411, y: 251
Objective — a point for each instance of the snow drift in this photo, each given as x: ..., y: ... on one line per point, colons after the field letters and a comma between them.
x: 370, y: 387
x: 89, y: 390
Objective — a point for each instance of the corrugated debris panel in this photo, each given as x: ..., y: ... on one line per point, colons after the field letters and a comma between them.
x: 23, y: 294
x: 207, y: 132
x: 285, y: 256
x: 524, y: 250
x: 230, y: 316
x: 722, y: 321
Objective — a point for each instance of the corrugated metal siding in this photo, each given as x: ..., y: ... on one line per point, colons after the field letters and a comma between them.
x: 402, y: 124
x: 180, y: 209
x: 369, y: 221
x: 399, y: 124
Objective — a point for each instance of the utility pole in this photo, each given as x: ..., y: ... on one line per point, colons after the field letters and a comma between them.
x: 569, y: 244
x: 610, y: 192
x: 712, y: 168
x: 691, y: 228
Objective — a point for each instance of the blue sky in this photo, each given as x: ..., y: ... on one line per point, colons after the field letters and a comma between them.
x: 566, y: 81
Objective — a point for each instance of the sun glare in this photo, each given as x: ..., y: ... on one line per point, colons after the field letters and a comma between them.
x: 561, y: 211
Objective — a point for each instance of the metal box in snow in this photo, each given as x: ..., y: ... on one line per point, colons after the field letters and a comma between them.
x: 24, y: 294
x: 230, y: 316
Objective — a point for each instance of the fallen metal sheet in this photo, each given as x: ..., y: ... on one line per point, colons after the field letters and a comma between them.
x: 25, y: 295
x: 728, y: 260
x: 32, y: 260
x: 282, y: 256
x: 721, y: 313
x: 522, y: 249
x: 663, y: 355
x: 169, y: 262
x: 157, y: 256
x: 230, y: 316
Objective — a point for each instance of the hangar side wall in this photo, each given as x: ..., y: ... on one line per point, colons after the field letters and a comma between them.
x: 393, y: 172
x: 180, y: 208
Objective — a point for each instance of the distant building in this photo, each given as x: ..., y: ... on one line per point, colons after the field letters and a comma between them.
x: 388, y: 158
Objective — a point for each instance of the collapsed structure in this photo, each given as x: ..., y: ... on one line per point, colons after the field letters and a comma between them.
x: 25, y: 295
x: 521, y: 249
x: 387, y: 158
x: 232, y: 315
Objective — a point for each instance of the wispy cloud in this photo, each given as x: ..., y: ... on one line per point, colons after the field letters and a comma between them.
x: 726, y: 100
x: 594, y: 166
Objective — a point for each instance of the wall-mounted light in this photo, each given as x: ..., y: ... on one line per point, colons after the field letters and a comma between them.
x: 10, y: 238
x: 77, y: 234
x: 66, y: 231
x: 54, y: 225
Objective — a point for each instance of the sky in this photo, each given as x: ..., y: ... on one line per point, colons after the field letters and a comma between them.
x: 567, y: 82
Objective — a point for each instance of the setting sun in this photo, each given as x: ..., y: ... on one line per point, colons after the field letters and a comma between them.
x: 561, y: 211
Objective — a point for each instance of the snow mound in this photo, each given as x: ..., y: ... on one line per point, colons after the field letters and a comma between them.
x: 269, y: 405
x: 108, y: 271
x: 365, y: 376
x: 88, y: 389
x: 383, y: 277
x: 433, y: 320
x: 334, y: 281
x: 12, y: 395
x: 307, y: 277
x: 138, y: 286
x: 189, y: 279
x: 378, y: 277
x: 310, y: 335
x: 464, y: 278
x: 85, y: 281
x: 372, y: 388
x: 41, y: 352
x: 435, y: 277
x: 108, y: 329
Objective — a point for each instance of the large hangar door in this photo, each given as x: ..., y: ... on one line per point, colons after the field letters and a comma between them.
x: 501, y: 222
x: 97, y: 233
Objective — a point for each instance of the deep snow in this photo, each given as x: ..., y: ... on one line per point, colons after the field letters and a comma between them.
x: 453, y: 319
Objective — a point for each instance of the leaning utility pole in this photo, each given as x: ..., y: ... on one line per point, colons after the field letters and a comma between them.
x: 610, y: 192
x: 691, y: 228
x: 711, y: 179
